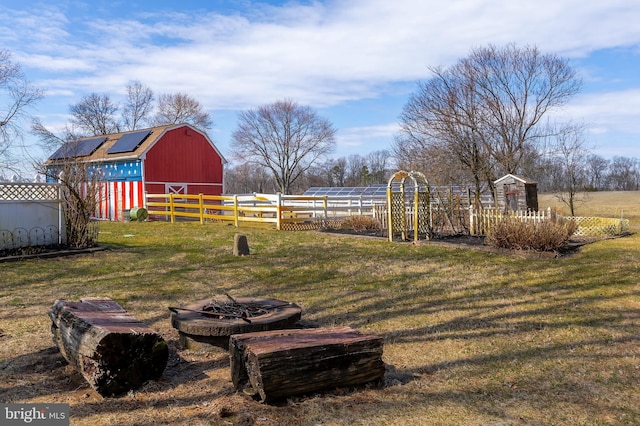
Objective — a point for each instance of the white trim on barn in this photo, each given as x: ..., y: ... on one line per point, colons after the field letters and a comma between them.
x: 511, y: 176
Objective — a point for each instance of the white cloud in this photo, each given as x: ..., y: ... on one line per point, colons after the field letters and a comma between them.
x: 321, y: 54
x: 366, y: 138
x: 608, y: 112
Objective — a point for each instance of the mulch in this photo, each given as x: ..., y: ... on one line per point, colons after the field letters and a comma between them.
x: 40, y: 252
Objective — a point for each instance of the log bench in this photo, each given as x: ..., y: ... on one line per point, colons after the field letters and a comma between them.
x: 114, y: 351
x: 280, y: 363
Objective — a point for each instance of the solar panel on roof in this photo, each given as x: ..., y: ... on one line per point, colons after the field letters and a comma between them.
x: 79, y: 148
x: 129, y: 142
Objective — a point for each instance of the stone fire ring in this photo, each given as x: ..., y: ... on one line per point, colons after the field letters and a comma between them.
x: 198, y: 331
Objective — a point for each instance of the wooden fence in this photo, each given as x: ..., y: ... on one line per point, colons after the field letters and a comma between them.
x: 290, y: 212
x: 284, y: 211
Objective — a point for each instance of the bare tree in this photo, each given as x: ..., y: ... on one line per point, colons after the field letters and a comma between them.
x: 355, y: 165
x: 138, y: 106
x: 410, y: 153
x: 378, y: 162
x: 517, y: 87
x: 50, y: 141
x: 487, y: 110
x: 572, y: 155
x: 245, y: 179
x: 318, y: 174
x: 95, y: 115
x: 81, y: 191
x: 445, y: 119
x: 17, y: 96
x: 597, y: 168
x: 284, y: 137
x: 182, y: 108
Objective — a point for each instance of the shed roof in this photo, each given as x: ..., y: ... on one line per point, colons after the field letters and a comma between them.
x: 118, y: 146
x: 512, y: 176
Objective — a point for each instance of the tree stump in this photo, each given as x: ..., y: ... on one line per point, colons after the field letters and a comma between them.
x: 112, y: 349
x: 282, y: 363
x: 240, y: 245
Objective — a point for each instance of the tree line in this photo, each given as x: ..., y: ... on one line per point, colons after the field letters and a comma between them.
x: 349, y: 171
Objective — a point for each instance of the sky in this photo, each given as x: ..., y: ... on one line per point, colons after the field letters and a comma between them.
x: 355, y: 62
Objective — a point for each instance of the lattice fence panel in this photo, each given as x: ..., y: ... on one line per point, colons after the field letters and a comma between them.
x: 599, y: 226
x: 398, y: 212
x: 305, y: 226
x: 29, y: 192
x: 423, y: 212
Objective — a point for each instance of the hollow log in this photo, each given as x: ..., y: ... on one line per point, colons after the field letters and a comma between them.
x: 281, y: 363
x: 112, y: 350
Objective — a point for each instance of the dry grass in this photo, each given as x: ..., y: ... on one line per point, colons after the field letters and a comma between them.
x: 471, y: 337
x: 600, y: 204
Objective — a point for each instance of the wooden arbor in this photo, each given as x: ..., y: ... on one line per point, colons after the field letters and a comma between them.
x: 408, y: 209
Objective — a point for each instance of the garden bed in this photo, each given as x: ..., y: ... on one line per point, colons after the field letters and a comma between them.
x: 14, y: 255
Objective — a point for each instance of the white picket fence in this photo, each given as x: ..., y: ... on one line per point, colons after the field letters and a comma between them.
x: 480, y: 222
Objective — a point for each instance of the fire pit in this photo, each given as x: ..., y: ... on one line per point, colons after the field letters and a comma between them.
x: 208, y: 323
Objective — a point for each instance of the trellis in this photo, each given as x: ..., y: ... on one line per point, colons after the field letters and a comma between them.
x: 408, y: 209
x: 599, y: 226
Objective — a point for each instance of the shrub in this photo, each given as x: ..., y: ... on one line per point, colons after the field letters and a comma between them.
x: 361, y: 223
x: 549, y: 235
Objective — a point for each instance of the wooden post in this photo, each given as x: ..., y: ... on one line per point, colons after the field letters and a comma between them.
x: 325, y: 209
x: 236, y: 213
x: 112, y: 349
x: 279, y: 212
x: 172, y: 212
x: 201, y: 206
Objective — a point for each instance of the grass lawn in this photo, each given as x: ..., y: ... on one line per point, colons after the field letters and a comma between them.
x: 471, y: 337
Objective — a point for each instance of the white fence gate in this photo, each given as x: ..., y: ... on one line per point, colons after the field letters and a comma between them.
x: 30, y: 215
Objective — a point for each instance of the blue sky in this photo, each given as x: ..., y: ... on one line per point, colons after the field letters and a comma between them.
x: 354, y: 61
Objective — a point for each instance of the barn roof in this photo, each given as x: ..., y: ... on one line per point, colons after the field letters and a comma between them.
x: 118, y: 146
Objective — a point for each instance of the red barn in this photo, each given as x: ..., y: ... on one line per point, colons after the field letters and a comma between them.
x: 160, y: 160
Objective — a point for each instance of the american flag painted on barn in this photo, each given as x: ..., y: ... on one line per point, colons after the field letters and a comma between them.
x: 122, y: 191
x: 118, y: 197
